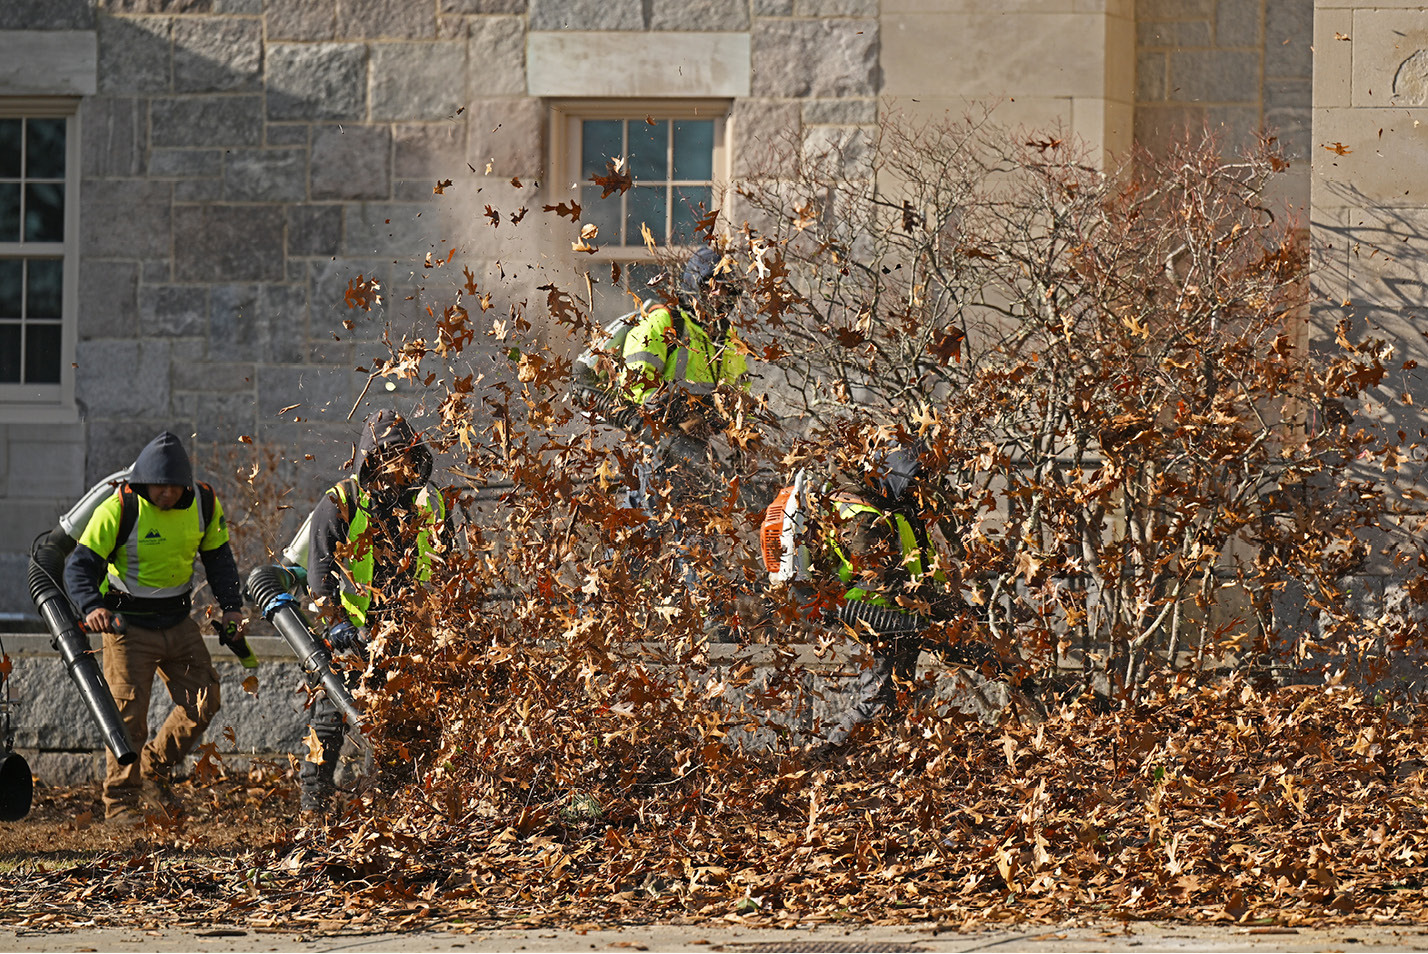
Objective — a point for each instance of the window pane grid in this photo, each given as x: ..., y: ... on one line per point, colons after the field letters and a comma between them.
x: 31, y: 320
x: 32, y: 179
x: 685, y: 146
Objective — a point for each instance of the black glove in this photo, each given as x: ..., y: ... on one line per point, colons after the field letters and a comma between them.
x: 343, y: 637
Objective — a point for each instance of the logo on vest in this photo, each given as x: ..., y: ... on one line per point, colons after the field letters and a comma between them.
x: 153, y: 535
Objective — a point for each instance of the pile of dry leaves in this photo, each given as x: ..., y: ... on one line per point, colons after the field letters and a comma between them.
x: 1216, y: 802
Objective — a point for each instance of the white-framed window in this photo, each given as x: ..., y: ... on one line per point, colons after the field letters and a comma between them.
x: 675, y: 151
x: 39, y: 256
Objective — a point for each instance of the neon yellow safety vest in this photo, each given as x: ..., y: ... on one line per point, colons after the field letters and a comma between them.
x: 912, y: 561
x: 698, y: 364
x: 156, y: 561
x: 357, y: 593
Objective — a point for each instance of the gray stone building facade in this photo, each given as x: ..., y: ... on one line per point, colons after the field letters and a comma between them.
x: 192, y: 184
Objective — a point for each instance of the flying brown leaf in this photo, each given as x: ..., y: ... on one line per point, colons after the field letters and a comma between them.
x: 616, y: 179
x: 947, y: 345
x: 314, y: 746
x: 570, y: 210
x: 362, y: 292
x: 706, y: 224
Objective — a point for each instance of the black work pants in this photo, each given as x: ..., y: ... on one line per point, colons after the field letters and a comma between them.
x: 875, y: 690
x: 318, y: 780
x: 894, y: 661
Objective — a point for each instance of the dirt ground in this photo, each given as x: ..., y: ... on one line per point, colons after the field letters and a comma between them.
x: 233, y: 813
x: 67, y: 824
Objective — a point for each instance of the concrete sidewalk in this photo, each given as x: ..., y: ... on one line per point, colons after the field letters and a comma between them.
x: 1114, y: 936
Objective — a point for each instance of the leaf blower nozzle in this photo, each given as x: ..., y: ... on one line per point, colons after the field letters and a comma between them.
x: 268, y: 591
x: 69, y: 640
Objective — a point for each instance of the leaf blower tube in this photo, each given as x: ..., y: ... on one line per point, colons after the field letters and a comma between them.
x: 268, y: 588
x: 69, y: 640
x: 612, y: 408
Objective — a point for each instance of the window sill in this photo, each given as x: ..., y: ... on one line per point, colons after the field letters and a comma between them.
x: 637, y: 254
x: 39, y: 414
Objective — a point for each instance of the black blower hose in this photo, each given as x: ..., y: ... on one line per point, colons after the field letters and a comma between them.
x: 268, y: 588
x: 45, y: 570
x: 612, y: 408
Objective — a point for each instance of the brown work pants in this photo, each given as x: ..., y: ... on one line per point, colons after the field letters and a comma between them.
x: 130, y: 661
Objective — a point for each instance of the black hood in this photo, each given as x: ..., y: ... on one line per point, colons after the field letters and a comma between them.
x: 386, y: 431
x: 163, y: 461
x: 894, y: 470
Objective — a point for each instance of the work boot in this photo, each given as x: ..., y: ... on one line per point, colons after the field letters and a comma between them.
x: 315, y: 802
x: 159, y: 791
x: 123, y: 816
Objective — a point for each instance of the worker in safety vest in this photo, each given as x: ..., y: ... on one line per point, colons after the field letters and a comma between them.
x: 664, y: 362
x: 694, y: 346
x: 868, y: 552
x: 386, y: 519
x: 131, y: 576
x: 674, y: 359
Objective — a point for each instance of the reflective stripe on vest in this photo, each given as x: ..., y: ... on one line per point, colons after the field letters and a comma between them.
x: 357, y: 591
x: 723, y: 362
x: 849, y: 507
x: 132, y: 565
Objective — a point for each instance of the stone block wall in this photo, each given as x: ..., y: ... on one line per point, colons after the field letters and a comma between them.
x: 1238, y: 66
x: 58, y: 738
x: 1370, y: 194
x: 242, y: 161
x: 1051, y: 65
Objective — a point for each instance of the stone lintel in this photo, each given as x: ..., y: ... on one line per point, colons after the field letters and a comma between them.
x: 48, y: 62
x: 617, y: 63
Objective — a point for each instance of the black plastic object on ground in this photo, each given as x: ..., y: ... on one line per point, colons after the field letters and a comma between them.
x: 268, y: 590
x: 17, y: 788
x: 69, y: 640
